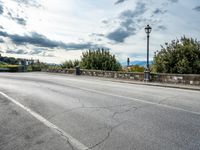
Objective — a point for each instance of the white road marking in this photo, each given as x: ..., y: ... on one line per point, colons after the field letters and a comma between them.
x: 74, y: 142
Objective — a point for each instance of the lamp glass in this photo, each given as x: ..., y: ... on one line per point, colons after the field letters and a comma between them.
x: 148, y: 29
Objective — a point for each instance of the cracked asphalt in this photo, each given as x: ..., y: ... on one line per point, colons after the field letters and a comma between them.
x: 100, y: 114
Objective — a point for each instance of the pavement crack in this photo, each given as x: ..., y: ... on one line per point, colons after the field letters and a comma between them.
x: 83, y: 106
x: 67, y: 139
x: 125, y: 111
x: 106, y: 137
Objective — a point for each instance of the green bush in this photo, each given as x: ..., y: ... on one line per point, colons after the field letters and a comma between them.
x: 180, y: 56
x: 69, y: 64
x: 11, y: 68
x: 99, y: 60
x: 135, y: 68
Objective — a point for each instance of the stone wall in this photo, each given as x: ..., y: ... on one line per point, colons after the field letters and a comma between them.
x: 189, y: 79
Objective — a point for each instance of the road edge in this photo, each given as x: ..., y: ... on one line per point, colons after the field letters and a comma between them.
x: 164, y: 85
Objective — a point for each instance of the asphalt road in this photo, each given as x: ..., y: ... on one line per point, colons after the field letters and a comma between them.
x: 48, y: 111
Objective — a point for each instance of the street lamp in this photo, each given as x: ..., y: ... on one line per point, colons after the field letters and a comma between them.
x: 128, y: 62
x: 147, y: 71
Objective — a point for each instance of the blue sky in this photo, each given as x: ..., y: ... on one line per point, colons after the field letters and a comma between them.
x: 59, y: 30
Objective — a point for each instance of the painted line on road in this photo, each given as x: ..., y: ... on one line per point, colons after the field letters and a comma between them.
x: 138, y: 100
x: 74, y: 142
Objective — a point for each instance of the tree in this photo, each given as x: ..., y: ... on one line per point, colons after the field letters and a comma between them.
x: 180, y: 56
x: 135, y: 68
x: 9, y: 60
x: 69, y: 64
x: 100, y: 59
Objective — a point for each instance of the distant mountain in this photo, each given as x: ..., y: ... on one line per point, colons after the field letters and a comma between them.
x: 139, y: 63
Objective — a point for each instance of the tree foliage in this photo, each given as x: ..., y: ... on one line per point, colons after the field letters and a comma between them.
x: 100, y: 59
x: 134, y: 68
x: 69, y: 64
x: 180, y: 56
x: 9, y: 60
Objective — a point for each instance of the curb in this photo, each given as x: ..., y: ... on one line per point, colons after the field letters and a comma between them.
x: 159, y: 85
x: 165, y: 85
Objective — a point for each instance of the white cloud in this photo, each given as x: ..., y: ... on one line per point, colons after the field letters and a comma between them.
x: 78, y: 21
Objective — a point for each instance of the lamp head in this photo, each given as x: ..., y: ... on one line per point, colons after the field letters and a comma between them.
x: 148, y: 29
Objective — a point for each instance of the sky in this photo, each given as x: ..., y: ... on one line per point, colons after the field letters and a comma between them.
x: 57, y: 30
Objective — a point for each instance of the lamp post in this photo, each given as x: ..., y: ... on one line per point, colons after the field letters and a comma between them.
x: 128, y: 62
x: 147, y: 71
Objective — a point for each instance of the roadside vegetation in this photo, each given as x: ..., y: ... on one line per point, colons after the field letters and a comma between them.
x: 134, y: 68
x: 69, y: 64
x: 99, y: 59
x: 12, y: 64
x: 8, y: 67
x: 180, y: 56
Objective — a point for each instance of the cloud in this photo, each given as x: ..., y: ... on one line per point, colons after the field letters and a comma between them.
x: 75, y: 46
x: 39, y: 40
x: 41, y: 52
x: 127, y: 26
x: 1, y: 40
x: 33, y: 3
x: 139, y: 10
x: 36, y: 51
x: 4, y: 34
x: 197, y: 8
x: 173, y: 1
x: 105, y: 21
x: 97, y: 34
x: 119, y: 1
x: 17, y: 19
x: 119, y: 35
x: 1, y: 8
x: 21, y: 21
x: 19, y: 51
x: 49, y: 55
x: 162, y: 28
x: 159, y: 11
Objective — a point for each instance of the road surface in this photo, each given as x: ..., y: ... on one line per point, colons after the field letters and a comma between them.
x: 49, y: 111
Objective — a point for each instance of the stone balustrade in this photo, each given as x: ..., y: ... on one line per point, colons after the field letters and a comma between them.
x: 190, y: 79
